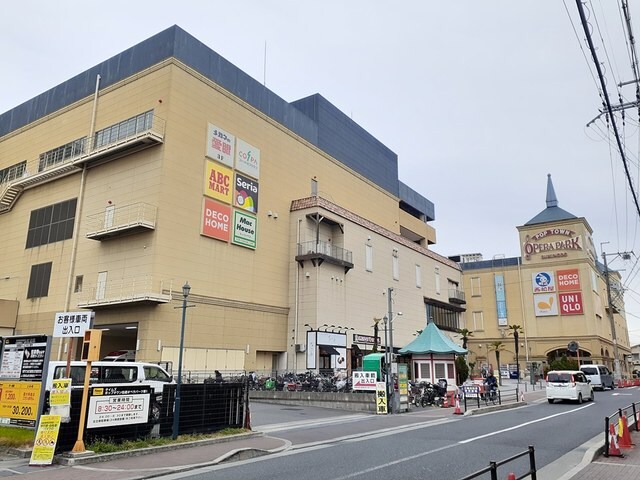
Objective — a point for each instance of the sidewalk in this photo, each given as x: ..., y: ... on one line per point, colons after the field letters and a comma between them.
x: 129, y: 466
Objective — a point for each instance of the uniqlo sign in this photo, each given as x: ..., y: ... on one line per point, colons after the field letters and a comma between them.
x: 570, y: 303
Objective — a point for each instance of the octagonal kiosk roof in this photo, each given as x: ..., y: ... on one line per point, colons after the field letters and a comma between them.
x: 432, y: 340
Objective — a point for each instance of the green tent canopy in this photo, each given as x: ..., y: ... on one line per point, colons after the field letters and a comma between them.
x: 432, y: 340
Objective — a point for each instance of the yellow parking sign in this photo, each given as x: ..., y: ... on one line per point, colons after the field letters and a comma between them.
x: 381, y: 398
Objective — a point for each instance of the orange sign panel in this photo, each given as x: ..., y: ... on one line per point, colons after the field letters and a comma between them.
x: 568, y: 280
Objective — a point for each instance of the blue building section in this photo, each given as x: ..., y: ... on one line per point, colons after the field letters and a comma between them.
x: 495, y: 263
x: 313, y: 118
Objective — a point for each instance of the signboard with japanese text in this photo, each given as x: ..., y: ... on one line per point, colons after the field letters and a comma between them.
x: 244, y: 229
x: 568, y: 280
x: 245, y: 193
x: 570, y: 303
x: 217, y: 182
x: 216, y: 220
x: 247, y: 158
x: 403, y: 386
x: 312, y: 350
x: 381, y: 398
x: 19, y: 402
x: 72, y: 324
x: 23, y: 357
x: 109, y: 406
x: 501, y: 300
x: 44, y: 445
x: 220, y: 145
x: 543, y: 282
x: 364, y: 381
x: 545, y: 304
x: 60, y: 399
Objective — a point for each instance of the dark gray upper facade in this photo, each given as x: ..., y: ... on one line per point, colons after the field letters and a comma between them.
x: 313, y: 118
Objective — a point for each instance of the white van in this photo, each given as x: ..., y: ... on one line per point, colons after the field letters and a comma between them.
x: 599, y: 376
x: 568, y: 385
x: 112, y: 373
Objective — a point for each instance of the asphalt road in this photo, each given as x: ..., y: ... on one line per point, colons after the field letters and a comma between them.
x: 425, y: 444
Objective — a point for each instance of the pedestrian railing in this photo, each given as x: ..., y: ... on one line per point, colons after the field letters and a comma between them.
x: 492, y: 469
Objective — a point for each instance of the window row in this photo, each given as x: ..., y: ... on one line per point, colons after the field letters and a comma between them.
x: 395, y: 268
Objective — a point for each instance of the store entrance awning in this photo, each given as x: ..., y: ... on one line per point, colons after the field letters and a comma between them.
x: 328, y: 350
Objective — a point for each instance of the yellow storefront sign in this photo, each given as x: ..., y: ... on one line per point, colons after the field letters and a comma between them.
x: 44, y: 445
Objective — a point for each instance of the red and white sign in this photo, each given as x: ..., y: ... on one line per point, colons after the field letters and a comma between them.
x: 364, y: 381
x: 570, y: 303
x: 216, y: 220
x: 568, y: 279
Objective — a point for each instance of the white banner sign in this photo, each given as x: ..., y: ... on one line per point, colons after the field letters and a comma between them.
x: 364, y: 381
x: 72, y: 324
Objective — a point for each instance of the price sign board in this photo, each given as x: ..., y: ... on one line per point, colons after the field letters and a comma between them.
x: 19, y: 402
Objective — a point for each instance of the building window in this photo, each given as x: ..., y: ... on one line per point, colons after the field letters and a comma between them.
x: 314, y: 187
x: 594, y: 281
x: 78, y: 284
x: 51, y: 224
x: 437, y: 272
x: 395, y: 265
x: 475, y: 286
x: 418, y: 276
x: 478, y: 322
x: 125, y: 129
x: 422, y: 371
x: 39, y: 280
x: 368, y: 258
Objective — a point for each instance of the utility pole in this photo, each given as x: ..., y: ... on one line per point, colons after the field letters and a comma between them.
x: 616, y: 361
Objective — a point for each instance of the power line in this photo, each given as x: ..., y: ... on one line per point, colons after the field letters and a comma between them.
x: 607, y: 102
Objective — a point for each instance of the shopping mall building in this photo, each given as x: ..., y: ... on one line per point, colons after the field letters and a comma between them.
x: 167, y: 164
x: 557, y: 291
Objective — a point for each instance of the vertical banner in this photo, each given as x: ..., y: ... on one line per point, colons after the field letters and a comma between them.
x: 44, y: 445
x: 312, y: 350
x: 501, y: 300
x: 403, y: 386
x: 381, y: 398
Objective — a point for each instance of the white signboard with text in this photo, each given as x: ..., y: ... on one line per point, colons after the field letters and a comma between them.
x: 72, y: 324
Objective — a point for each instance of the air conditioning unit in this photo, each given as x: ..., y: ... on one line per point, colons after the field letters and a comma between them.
x: 300, y: 348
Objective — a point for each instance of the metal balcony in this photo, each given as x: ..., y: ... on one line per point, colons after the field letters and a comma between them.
x: 319, y: 252
x: 126, y: 291
x: 125, y: 220
x: 121, y: 142
x: 456, y: 296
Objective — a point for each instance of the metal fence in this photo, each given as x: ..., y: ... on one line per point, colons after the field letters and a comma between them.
x: 492, y: 469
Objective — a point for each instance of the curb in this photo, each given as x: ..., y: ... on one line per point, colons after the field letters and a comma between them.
x: 494, y: 408
x: 67, y: 459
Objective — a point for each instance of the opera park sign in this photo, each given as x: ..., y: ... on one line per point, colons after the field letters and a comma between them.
x: 542, y: 244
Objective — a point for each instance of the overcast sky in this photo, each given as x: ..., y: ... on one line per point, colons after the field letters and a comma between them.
x: 480, y: 100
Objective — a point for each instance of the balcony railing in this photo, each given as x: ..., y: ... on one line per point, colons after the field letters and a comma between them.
x: 123, y: 220
x: 456, y: 296
x: 141, y: 289
x: 53, y: 165
x: 324, y: 251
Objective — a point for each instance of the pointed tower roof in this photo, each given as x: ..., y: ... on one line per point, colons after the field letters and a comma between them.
x: 432, y: 340
x: 553, y: 213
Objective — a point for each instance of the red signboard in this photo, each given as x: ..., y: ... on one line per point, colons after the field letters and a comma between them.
x: 570, y: 303
x: 216, y: 220
x: 568, y: 280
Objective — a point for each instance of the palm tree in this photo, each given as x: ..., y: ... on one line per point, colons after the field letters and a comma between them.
x: 497, y: 347
x: 466, y: 333
x: 515, y: 330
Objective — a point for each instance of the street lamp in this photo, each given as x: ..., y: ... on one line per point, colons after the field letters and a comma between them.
x: 176, y: 405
